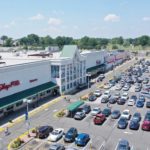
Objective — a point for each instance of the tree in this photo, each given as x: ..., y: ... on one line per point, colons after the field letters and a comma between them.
x: 143, y: 40
x: 114, y: 47
x: 23, y: 41
x: 9, y: 42
x: 4, y: 38
x: 117, y: 40
x: 33, y: 39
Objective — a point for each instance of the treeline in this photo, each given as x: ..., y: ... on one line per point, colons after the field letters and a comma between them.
x: 84, y: 43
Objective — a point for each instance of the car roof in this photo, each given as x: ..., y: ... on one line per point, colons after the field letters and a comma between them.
x: 41, y: 128
x: 123, y: 141
x: 82, y: 135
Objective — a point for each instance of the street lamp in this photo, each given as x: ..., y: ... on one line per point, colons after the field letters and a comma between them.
x: 27, y: 101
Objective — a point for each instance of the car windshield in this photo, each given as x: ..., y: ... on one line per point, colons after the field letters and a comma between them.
x: 125, y: 113
x: 95, y: 109
x: 55, y: 132
x: 122, y: 147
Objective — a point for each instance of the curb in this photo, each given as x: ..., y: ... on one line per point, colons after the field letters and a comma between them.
x: 31, y: 113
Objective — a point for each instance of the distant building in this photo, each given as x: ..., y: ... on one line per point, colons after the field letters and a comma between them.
x: 52, y: 49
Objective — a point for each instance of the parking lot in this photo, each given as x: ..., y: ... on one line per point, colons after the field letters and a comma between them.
x: 107, y: 135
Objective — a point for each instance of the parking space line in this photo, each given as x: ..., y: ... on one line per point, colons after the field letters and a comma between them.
x: 102, y: 145
x: 39, y: 145
x: 88, y: 144
x: 116, y: 146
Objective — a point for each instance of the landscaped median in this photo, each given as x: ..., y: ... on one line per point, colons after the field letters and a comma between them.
x: 23, y: 139
x: 61, y: 113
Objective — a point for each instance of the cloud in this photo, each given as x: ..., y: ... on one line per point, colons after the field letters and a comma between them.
x: 9, y: 25
x: 54, y: 21
x: 146, y: 19
x: 38, y: 17
x: 75, y: 27
x: 111, y: 18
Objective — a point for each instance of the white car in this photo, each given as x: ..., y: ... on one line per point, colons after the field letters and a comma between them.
x: 131, y: 102
x: 56, y: 135
x: 95, y: 111
x: 126, y: 114
x: 125, y: 96
x: 97, y: 93
x: 117, y: 95
x: 106, y: 94
x: 118, y: 87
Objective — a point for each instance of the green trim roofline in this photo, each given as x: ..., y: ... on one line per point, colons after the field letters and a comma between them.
x: 17, y: 97
x: 95, y: 69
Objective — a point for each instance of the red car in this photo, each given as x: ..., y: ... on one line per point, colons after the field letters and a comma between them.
x: 99, y: 119
x: 146, y: 125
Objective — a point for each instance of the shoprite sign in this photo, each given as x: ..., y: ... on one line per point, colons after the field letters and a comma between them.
x: 5, y: 86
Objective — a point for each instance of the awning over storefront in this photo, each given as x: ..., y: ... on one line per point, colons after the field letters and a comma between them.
x: 14, y: 98
x: 75, y: 105
x: 96, y: 69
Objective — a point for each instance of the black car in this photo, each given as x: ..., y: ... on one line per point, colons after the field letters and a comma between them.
x: 43, y: 131
x: 134, y: 97
x: 92, y: 97
x: 122, y: 123
x: 115, y: 114
x: 112, y: 100
x: 134, y: 124
x: 148, y: 104
x: 86, y: 108
x: 121, y: 101
x: 106, y: 112
x: 137, y: 116
x: 71, y: 135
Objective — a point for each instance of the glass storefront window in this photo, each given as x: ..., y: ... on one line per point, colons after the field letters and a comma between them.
x: 67, y: 86
x: 63, y: 88
x: 55, y: 71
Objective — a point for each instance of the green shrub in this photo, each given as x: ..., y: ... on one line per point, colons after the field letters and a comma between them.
x: 16, y: 143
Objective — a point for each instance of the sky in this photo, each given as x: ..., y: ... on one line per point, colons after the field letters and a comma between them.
x: 75, y: 18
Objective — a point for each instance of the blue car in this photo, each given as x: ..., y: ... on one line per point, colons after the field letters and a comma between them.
x: 134, y: 124
x: 137, y: 116
x: 82, y: 139
x: 139, y: 104
x: 122, y: 123
x: 142, y: 98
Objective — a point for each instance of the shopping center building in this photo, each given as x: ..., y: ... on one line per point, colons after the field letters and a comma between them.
x: 36, y: 74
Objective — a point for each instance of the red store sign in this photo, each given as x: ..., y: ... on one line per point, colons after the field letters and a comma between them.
x: 33, y: 80
x: 5, y: 86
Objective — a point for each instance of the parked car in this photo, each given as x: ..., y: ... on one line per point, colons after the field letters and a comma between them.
x: 126, y: 88
x: 86, y: 109
x: 117, y: 95
x: 112, y: 100
x: 123, y: 145
x: 56, y: 146
x: 70, y: 135
x: 99, y: 119
x: 139, y: 104
x: 148, y: 104
x: 97, y: 93
x: 146, y: 122
x: 92, y: 97
x: 104, y: 99
x: 134, y: 124
x: 106, y: 112
x: 126, y: 114
x: 146, y: 125
x: 106, y: 94
x: 115, y: 114
x: 56, y: 135
x: 142, y: 98
x: 43, y: 131
x: 82, y: 139
x: 118, y: 87
x: 137, y: 88
x: 79, y: 115
x: 122, y: 123
x: 95, y: 111
x: 137, y: 116
x: 131, y: 102
x: 121, y: 101
x: 125, y: 96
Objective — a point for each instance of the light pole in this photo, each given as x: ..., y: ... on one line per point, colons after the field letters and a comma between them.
x: 27, y: 101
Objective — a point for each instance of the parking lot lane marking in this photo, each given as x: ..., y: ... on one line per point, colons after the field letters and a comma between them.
x: 39, y: 145
x: 127, y: 132
x: 116, y: 146
x: 102, y: 145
